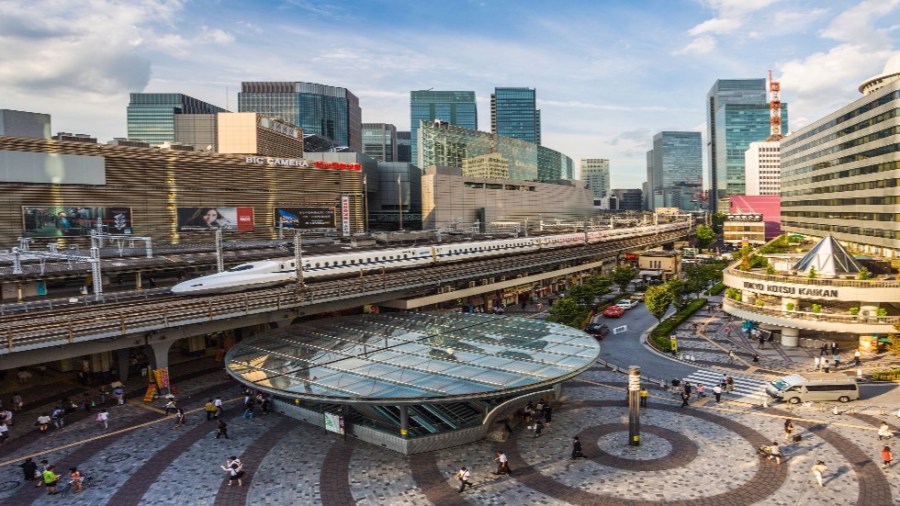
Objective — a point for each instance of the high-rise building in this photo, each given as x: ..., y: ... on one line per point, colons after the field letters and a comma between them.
x: 318, y: 109
x: 625, y: 199
x: 737, y: 113
x: 676, y: 170
x: 839, y: 174
x: 404, y: 147
x: 514, y: 113
x: 151, y: 116
x: 553, y: 165
x: 24, y: 124
x: 487, y: 166
x: 595, y: 172
x: 762, y: 166
x: 453, y: 107
x: 380, y: 141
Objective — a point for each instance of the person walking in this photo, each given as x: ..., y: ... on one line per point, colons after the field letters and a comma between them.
x: 220, y: 406
x: 235, y: 471
x: 886, y: 457
x: 17, y: 402
x: 221, y: 429
x: 103, y: 418
x: 75, y: 479
x: 179, y: 419
x: 644, y: 394
x: 463, y: 476
x: 538, y: 428
x: 30, y: 471
x: 43, y: 423
x: 684, y: 399
x: 775, y: 453
x: 837, y: 361
x: 823, y: 350
x: 729, y: 385
x: 548, y: 413
x: 50, y: 480
x: 857, y: 358
x: 788, y: 430
x: 210, y: 409
x: 248, y: 408
x: 701, y: 391
x: 834, y: 347
x: 731, y: 356
x: 717, y: 391
x: 170, y: 407
x: 826, y: 367
x: 502, y: 463
x: 119, y: 395
x: 687, y: 389
x: 884, y: 432
x: 576, y: 449
x: 818, y: 471
x: 816, y: 364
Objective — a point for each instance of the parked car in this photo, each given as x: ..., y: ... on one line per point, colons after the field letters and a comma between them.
x: 627, y: 303
x: 613, y: 312
x: 598, y: 330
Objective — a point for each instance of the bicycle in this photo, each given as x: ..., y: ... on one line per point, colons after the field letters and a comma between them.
x: 86, y: 481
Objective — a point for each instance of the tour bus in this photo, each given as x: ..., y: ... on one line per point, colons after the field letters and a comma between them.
x: 798, y: 388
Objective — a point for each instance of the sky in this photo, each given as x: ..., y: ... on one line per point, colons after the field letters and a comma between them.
x: 608, y: 74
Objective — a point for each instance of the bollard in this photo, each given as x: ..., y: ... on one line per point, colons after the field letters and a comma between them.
x: 634, y: 409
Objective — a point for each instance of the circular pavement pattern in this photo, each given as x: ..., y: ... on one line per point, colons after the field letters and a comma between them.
x: 650, y: 456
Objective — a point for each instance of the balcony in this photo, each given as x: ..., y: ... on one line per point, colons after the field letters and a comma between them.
x: 821, y: 322
x: 855, y: 291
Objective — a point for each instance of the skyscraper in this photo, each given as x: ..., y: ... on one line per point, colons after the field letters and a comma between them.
x: 328, y: 111
x: 737, y: 113
x: 380, y: 141
x: 676, y: 169
x: 454, y: 107
x: 404, y: 147
x: 151, y: 116
x: 762, y: 166
x: 595, y: 172
x: 514, y: 114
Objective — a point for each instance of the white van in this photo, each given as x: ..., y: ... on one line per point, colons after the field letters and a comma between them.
x: 798, y: 388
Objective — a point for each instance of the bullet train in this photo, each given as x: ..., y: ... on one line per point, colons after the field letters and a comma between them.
x: 268, y: 273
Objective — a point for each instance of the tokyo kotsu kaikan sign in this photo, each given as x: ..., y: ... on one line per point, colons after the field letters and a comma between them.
x: 797, y: 291
x: 300, y: 162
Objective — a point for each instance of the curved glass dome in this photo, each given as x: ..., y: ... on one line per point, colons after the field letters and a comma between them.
x: 411, y: 358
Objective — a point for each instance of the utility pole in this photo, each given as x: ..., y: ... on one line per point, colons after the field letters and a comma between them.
x: 400, y: 201
x: 220, y: 260
x: 298, y: 259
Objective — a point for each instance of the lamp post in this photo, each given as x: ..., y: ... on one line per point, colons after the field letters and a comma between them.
x: 400, y: 201
x: 634, y: 409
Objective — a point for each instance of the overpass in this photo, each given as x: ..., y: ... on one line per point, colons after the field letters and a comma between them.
x: 71, y: 331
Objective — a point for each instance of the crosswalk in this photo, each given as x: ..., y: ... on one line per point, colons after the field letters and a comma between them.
x: 746, y: 389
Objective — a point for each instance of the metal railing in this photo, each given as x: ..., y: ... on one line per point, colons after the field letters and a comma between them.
x: 805, y: 315
x: 806, y: 280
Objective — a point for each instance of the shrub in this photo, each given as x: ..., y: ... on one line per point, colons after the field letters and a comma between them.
x: 790, y: 306
x: 881, y: 311
x: 732, y: 293
x: 864, y: 274
x: 759, y: 303
x: 816, y: 308
x: 854, y: 310
x: 717, y: 289
x: 659, y: 337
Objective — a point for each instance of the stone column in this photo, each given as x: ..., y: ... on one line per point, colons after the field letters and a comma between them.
x: 790, y: 337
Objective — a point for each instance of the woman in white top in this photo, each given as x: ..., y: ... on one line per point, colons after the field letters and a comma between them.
x: 884, y: 432
x: 43, y: 422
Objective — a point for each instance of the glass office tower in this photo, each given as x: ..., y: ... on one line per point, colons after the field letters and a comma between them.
x: 595, y: 172
x: 151, y: 116
x: 404, y: 147
x: 454, y: 107
x: 380, y: 141
x: 514, y: 114
x: 737, y: 113
x: 676, y: 169
x: 328, y: 111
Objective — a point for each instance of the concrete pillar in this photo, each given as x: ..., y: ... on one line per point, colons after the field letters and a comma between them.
x: 123, y: 363
x: 790, y: 337
x: 159, y: 358
x: 404, y: 422
x: 137, y: 281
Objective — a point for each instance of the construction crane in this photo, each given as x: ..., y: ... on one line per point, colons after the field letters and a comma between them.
x: 774, y: 110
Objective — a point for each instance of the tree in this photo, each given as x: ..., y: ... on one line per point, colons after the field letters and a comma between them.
x: 680, y: 292
x: 718, y: 221
x: 582, y: 296
x: 600, y: 285
x: 705, y: 236
x: 567, y: 312
x: 622, y: 276
x: 658, y: 299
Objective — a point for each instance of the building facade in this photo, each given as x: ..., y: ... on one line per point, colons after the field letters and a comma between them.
x: 250, y: 133
x: 151, y: 116
x: 487, y: 166
x: 328, y: 111
x: 595, y: 172
x: 626, y: 199
x: 737, y: 113
x: 762, y: 168
x: 452, y: 107
x: 744, y: 228
x: 676, y: 170
x: 553, y: 165
x: 24, y: 124
x: 380, y: 141
x: 404, y: 147
x: 514, y: 114
x: 445, y: 145
x: 840, y: 173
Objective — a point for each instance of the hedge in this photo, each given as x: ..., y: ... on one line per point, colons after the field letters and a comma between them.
x: 716, y: 289
x: 659, y: 337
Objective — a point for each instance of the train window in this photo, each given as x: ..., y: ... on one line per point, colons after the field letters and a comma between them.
x: 317, y: 264
x: 238, y: 268
x: 344, y: 262
x: 327, y: 264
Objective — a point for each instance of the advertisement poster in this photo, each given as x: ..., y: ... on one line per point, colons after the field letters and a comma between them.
x: 305, y: 218
x: 162, y: 377
x: 192, y: 219
x: 71, y: 221
x: 345, y: 215
x: 334, y: 423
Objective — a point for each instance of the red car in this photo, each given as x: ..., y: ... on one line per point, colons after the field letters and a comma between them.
x: 613, y: 312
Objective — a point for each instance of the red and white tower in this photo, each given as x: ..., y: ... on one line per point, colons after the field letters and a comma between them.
x: 774, y: 110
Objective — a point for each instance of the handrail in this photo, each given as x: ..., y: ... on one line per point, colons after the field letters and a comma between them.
x: 805, y: 315
x: 805, y: 280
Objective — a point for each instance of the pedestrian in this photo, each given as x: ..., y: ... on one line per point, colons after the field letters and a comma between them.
x: 43, y: 423
x: 17, y: 402
x: 538, y: 428
x: 463, y: 476
x: 576, y: 449
x: 762, y: 342
x: 717, y: 391
x: 818, y: 470
x: 688, y: 389
x: 684, y: 399
x: 30, y: 471
x: 884, y: 432
x: 527, y: 413
x: 39, y: 474
x: 235, y: 472
x: 834, y: 347
x: 857, y: 358
x: 170, y: 407
x: 119, y: 394
x: 775, y: 453
x: 75, y: 479
x: 179, y: 419
x: 4, y: 432
x: 248, y: 408
x: 788, y: 429
x: 731, y: 356
x: 816, y: 366
x: 548, y: 413
x: 701, y: 391
x: 58, y: 417
x: 502, y: 463
x: 823, y: 350
x: 220, y: 406
x: 859, y: 373
x: 104, y: 393
x: 723, y: 381
x: 886, y: 457
x: 837, y: 361
x: 50, y: 480
x: 221, y: 429
x: 729, y: 385
x: 265, y: 404
x: 210, y: 409
x: 826, y: 367
x: 103, y: 418
x: 644, y: 395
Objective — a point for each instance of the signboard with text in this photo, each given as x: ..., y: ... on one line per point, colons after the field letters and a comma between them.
x: 304, y: 218
x: 192, y: 219
x: 345, y: 215
x: 69, y: 221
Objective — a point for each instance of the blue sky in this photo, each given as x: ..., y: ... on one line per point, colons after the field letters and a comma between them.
x: 608, y: 74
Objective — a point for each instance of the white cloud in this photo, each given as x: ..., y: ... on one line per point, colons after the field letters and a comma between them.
x: 856, y: 23
x: 700, y: 45
x: 716, y: 25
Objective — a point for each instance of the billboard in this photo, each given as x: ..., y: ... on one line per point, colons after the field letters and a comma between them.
x: 304, y: 218
x: 191, y: 219
x: 72, y: 221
